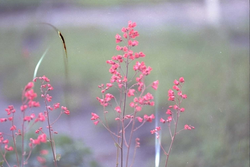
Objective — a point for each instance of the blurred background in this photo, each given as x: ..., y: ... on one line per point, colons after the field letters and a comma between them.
x: 204, y: 41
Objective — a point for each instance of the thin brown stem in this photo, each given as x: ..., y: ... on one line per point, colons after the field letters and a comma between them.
x: 130, y: 138
x: 124, y: 110
x: 22, y: 136
x: 51, y: 141
x: 4, y: 158
x: 172, y: 138
x: 123, y: 115
x: 170, y: 131
x: 130, y: 121
x: 57, y: 118
x: 50, y: 135
x: 15, y: 148
x: 140, y: 125
x: 163, y: 149
x: 133, y: 157
x: 112, y: 133
x: 125, y: 141
x: 28, y: 156
x: 14, y: 141
x: 118, y: 126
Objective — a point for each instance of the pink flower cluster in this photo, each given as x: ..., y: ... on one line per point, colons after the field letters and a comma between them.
x: 40, y: 158
x: 28, y: 115
x: 95, y: 118
x: 156, y: 131
x: 42, y: 138
x: 5, y: 142
x: 177, y: 97
x: 138, y: 102
x: 177, y: 84
x: 188, y: 127
x: 120, y: 80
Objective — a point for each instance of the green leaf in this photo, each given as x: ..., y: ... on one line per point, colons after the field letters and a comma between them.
x: 58, y: 157
x: 39, y: 62
x: 1, y: 162
x: 117, y: 145
x: 64, y: 48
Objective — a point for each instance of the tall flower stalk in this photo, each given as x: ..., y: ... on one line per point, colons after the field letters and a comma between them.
x: 132, y: 95
x: 173, y: 113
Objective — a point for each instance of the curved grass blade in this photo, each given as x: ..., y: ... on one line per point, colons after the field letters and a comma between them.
x: 64, y: 57
x: 61, y: 37
x: 64, y: 47
x: 39, y: 62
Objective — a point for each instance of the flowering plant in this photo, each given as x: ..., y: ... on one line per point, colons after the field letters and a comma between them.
x: 173, y: 114
x: 127, y: 105
x: 132, y: 90
x: 28, y: 119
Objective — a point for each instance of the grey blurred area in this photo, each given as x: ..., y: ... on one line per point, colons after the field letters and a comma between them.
x: 189, y: 14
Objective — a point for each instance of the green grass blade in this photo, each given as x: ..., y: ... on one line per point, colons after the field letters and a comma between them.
x: 39, y: 62
x: 61, y: 37
x: 64, y: 48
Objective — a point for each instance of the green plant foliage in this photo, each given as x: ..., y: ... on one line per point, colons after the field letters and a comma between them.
x: 70, y: 153
x: 1, y: 162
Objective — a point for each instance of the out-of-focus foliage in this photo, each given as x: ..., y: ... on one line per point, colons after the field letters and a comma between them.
x: 73, y: 153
